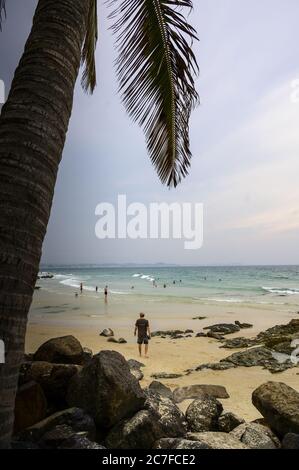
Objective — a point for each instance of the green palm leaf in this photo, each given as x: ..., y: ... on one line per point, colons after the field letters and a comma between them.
x: 2, y: 12
x: 156, y: 69
x: 89, y: 76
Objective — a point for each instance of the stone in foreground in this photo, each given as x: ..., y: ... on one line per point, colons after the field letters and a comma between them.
x: 62, y: 350
x: 256, y: 436
x: 202, y: 414
x: 106, y: 389
x: 216, y: 440
x: 229, y: 421
x: 279, y: 404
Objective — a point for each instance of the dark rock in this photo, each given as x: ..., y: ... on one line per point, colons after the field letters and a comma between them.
x: 252, y: 357
x: 80, y: 442
x: 178, y: 443
x: 243, y: 325
x: 216, y: 440
x: 170, y: 417
x: 107, y: 332
x: 224, y: 365
x: 198, y: 391
x: 63, y: 350
x: 122, y: 341
x: 112, y: 340
x: 137, y: 374
x: 229, y: 421
x: 177, y: 336
x: 213, y: 335
x: 290, y: 441
x: 223, y: 328
x: 188, y: 331
x: 75, y: 418
x: 166, y: 375
x: 201, y: 335
x: 279, y: 331
x: 199, y: 318
x: 160, y: 388
x: 202, y: 414
x: 279, y: 404
x: 256, y: 436
x: 87, y: 355
x: 133, y: 364
x: 236, y: 343
x: 106, y: 389
x: 53, y: 378
x: 167, y: 333
x: 138, y: 432
x: 30, y: 406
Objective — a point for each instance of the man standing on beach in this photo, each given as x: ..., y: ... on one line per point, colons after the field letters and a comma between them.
x: 144, y: 334
x: 106, y: 293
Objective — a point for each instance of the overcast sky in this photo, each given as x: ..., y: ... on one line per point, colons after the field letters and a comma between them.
x: 244, y: 136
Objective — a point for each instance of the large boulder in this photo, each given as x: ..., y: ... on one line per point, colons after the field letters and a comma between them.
x: 229, y: 421
x: 30, y: 406
x: 199, y: 390
x: 256, y: 436
x: 279, y: 404
x: 160, y: 388
x: 170, y: 417
x: 202, y: 414
x: 62, y: 350
x: 53, y: 378
x: 74, y: 418
x: 138, y: 432
x: 216, y: 440
x: 179, y: 443
x: 291, y: 441
x: 106, y: 389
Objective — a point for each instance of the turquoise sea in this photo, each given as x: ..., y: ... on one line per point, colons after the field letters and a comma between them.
x: 231, y: 284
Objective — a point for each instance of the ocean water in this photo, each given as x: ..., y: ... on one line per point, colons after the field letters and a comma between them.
x: 264, y: 285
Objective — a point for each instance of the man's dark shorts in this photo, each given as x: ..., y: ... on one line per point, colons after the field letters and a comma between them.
x: 142, y: 340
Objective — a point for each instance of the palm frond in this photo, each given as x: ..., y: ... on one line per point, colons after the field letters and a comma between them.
x: 156, y: 68
x: 89, y: 76
x: 2, y: 12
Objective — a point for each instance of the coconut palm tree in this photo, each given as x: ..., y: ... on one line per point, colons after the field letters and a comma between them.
x: 155, y: 68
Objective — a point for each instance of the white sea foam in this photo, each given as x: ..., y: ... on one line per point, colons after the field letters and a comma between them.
x: 281, y: 291
x: 136, y: 275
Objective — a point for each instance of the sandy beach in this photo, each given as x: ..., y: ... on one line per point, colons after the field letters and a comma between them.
x: 55, y: 315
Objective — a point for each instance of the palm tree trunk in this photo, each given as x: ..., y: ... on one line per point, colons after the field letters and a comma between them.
x: 33, y: 127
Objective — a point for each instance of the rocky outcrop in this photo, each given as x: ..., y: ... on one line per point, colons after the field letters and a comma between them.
x: 166, y: 375
x: 279, y: 404
x: 107, y: 332
x: 202, y: 414
x: 256, y: 436
x: 138, y: 432
x: 30, y: 406
x: 53, y: 378
x: 216, y: 440
x: 290, y: 441
x: 63, y: 350
x: 227, y: 422
x: 198, y: 391
x: 238, y: 343
x: 158, y: 387
x: 179, y: 443
x: 106, y: 389
x: 74, y: 418
x: 170, y: 417
x: 223, y: 328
